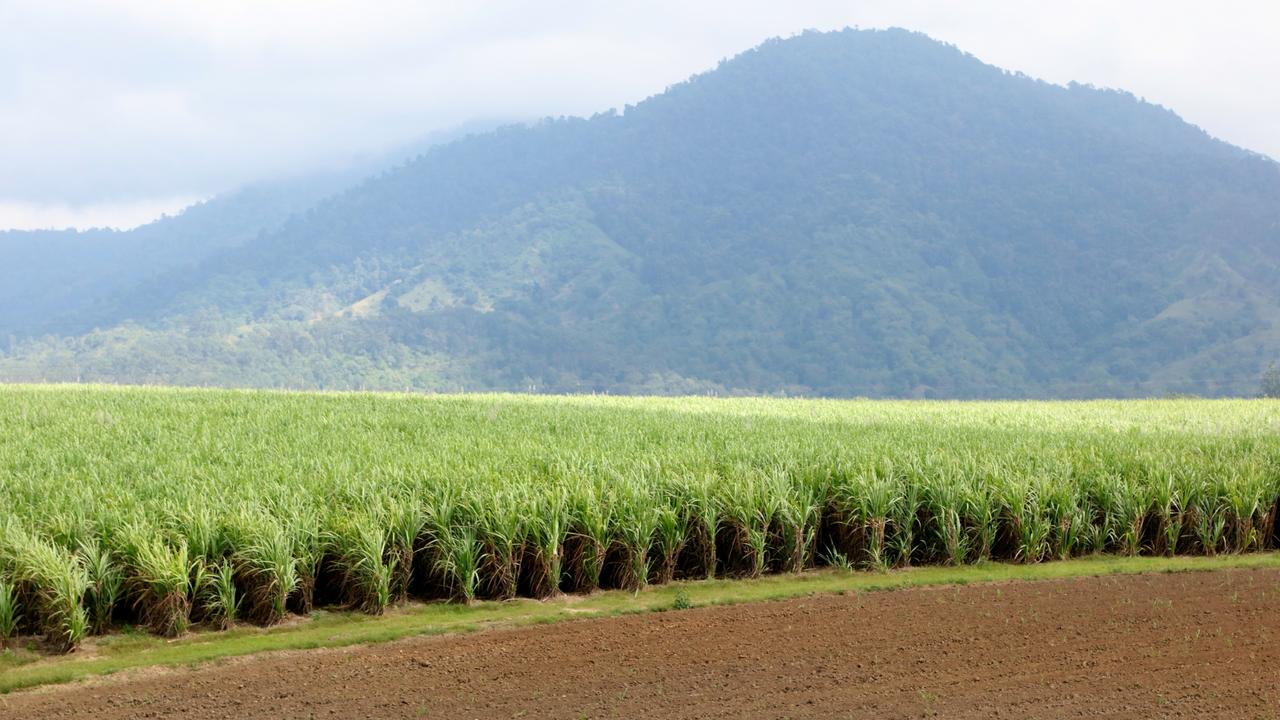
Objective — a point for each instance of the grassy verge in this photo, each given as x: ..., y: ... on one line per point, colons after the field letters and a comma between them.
x: 24, y: 669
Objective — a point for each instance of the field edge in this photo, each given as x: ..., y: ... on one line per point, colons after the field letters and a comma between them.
x: 333, y: 629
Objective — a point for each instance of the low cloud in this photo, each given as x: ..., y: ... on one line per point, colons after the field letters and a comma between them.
x: 127, y: 104
x: 114, y: 215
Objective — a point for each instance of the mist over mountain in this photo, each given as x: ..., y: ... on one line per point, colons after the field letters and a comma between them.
x: 849, y: 213
x: 67, y: 281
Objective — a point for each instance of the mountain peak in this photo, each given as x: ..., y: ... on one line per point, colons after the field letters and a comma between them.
x: 860, y: 212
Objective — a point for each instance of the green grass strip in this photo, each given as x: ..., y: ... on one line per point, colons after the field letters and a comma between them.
x: 24, y: 669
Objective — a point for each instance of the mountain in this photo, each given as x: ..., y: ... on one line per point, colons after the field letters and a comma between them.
x: 849, y: 213
x: 51, y: 279
x: 66, y: 281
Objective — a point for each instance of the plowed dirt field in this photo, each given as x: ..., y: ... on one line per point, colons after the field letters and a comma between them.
x: 1200, y: 645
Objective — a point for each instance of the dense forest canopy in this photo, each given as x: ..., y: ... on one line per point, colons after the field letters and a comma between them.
x: 850, y: 213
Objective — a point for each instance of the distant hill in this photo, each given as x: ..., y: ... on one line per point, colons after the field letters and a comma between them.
x: 65, y: 281
x: 50, y: 280
x: 850, y: 213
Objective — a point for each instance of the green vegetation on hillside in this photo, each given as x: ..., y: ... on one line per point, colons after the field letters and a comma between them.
x: 860, y: 213
x: 66, y: 281
x: 168, y: 507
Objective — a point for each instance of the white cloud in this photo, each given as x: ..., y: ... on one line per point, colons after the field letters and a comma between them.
x: 111, y: 102
x: 115, y: 215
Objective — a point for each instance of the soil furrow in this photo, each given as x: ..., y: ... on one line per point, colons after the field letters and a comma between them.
x: 1200, y: 645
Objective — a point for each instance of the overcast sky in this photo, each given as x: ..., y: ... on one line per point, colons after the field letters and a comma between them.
x: 113, y: 112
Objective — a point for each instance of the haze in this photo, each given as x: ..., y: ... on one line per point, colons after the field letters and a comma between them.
x: 114, y: 112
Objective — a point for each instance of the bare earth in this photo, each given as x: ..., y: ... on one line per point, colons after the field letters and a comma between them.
x: 1197, y: 645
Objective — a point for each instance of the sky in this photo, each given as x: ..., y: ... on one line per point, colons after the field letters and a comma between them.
x: 115, y: 111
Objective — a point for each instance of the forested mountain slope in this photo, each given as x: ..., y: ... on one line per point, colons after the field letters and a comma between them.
x: 851, y: 213
x: 68, y: 281
x: 50, y: 279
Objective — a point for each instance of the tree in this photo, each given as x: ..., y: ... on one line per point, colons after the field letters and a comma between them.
x: 1271, y: 382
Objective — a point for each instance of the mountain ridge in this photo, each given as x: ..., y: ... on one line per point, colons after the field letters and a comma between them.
x: 849, y: 213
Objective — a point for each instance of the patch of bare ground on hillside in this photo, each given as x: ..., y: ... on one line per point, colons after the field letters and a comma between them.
x: 1197, y: 645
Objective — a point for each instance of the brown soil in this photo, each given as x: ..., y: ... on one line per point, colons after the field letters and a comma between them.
x: 1189, y: 645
